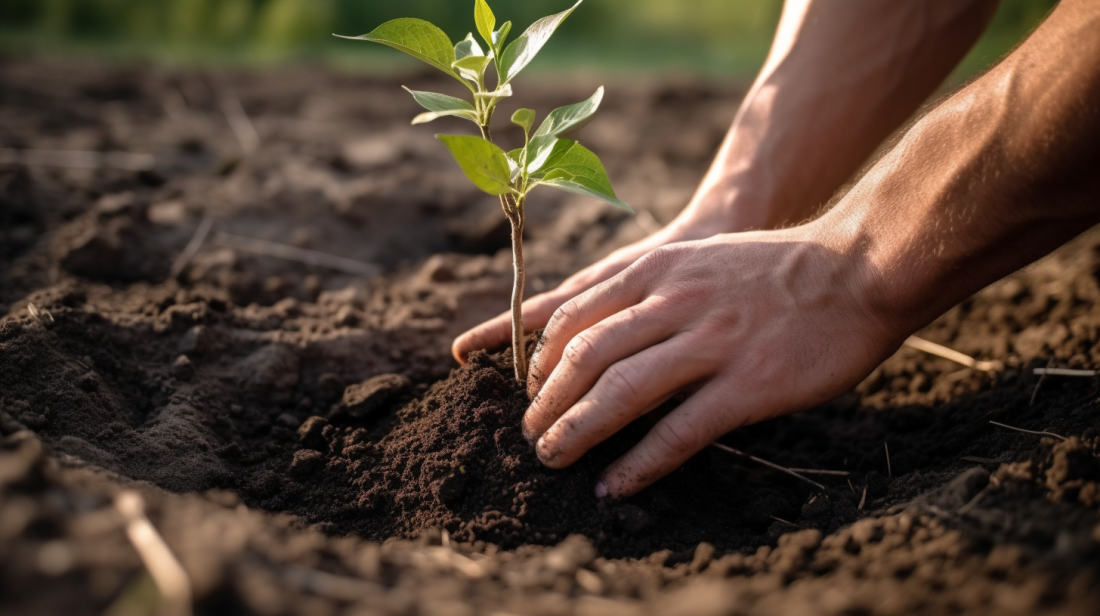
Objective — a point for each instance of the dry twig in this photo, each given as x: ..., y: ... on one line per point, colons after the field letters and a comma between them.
x: 193, y: 246
x: 817, y: 471
x: 1042, y: 377
x: 167, y: 572
x: 782, y: 521
x: 293, y: 253
x: 1008, y: 427
x: 738, y: 452
x: 889, y: 469
x: 939, y: 350
x: 863, y: 500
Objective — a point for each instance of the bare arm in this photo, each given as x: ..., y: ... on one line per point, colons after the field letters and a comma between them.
x: 755, y: 325
x: 841, y: 76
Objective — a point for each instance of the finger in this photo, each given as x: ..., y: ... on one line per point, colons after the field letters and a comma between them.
x: 626, y: 391
x: 590, y: 353
x: 672, y: 441
x: 576, y: 315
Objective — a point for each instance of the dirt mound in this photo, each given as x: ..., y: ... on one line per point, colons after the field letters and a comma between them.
x: 456, y: 460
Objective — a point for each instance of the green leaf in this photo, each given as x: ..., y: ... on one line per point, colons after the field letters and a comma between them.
x: 432, y: 116
x: 571, y: 117
x: 433, y: 101
x: 441, y: 105
x: 485, y: 20
x: 472, y: 67
x: 524, y: 118
x: 524, y: 49
x: 468, y: 47
x: 501, y: 36
x: 539, y: 150
x: 417, y: 38
x: 485, y: 164
x: 574, y: 168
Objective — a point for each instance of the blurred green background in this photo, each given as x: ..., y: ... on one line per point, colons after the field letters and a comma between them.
x: 639, y: 36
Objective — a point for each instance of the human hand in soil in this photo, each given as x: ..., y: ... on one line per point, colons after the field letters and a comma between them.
x: 755, y: 325
x: 815, y: 113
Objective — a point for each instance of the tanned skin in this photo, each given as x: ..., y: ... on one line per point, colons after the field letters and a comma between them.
x: 755, y: 315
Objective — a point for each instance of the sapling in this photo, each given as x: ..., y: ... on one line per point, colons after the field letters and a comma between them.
x: 547, y: 157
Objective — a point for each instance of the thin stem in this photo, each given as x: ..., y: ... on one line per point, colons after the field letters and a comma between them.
x: 519, y: 348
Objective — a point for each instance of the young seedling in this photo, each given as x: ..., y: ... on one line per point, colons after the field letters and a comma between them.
x: 547, y: 157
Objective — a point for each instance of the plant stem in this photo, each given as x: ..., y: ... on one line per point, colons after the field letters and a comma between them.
x: 519, y: 348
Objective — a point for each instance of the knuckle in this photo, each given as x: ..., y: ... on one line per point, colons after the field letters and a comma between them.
x: 563, y: 316
x: 676, y: 438
x: 620, y: 382
x: 581, y: 350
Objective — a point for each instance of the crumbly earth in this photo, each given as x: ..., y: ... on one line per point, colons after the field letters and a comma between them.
x: 305, y: 444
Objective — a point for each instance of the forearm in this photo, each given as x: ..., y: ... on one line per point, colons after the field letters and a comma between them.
x: 839, y: 79
x: 996, y: 177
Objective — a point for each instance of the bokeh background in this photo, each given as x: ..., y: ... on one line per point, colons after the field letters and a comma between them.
x: 636, y: 36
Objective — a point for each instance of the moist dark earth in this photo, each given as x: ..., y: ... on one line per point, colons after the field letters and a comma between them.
x: 306, y: 445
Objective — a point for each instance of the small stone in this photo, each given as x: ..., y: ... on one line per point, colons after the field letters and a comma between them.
x: 288, y: 420
x: 306, y: 462
x: 450, y: 488
x: 196, y: 340
x: 371, y: 396
x: 182, y: 368
x: 569, y: 555
x: 311, y: 433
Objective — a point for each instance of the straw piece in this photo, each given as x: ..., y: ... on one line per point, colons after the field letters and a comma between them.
x: 1008, y: 427
x: 738, y: 452
x: 939, y: 350
x: 168, y: 574
x: 1065, y: 372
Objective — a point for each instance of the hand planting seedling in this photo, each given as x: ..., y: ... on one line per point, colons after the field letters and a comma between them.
x: 547, y: 158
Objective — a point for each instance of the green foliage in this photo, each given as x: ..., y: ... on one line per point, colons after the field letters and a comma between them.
x: 544, y: 159
x: 521, y: 51
x: 485, y: 164
x: 574, y: 168
x: 418, y: 38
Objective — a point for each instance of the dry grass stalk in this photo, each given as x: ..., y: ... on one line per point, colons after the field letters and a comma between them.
x: 782, y: 521
x: 1065, y: 372
x: 1008, y: 427
x: 738, y: 452
x: 889, y: 468
x: 863, y: 500
x: 939, y: 350
x: 1042, y: 377
x: 193, y: 246
x: 301, y: 255
x: 168, y: 574
x: 817, y: 471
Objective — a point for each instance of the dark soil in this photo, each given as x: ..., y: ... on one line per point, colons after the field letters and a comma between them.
x: 307, y: 446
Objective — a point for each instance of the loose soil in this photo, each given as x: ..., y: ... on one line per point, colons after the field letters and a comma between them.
x: 306, y: 445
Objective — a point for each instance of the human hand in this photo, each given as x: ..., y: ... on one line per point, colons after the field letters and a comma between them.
x: 755, y: 324
x: 538, y: 309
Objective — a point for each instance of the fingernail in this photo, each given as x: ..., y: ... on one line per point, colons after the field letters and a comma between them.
x: 601, y: 489
x: 542, y: 449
